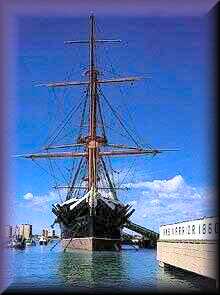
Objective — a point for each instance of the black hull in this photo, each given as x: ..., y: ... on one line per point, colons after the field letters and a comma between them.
x: 91, y: 226
x: 92, y: 229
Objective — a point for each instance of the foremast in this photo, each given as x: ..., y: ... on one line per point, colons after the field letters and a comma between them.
x: 92, y: 144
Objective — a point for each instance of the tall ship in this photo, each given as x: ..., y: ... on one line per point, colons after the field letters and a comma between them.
x: 91, y: 217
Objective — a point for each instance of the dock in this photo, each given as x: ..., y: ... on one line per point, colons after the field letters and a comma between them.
x: 191, y: 246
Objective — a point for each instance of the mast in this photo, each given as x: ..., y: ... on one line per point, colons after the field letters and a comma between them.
x: 92, y: 145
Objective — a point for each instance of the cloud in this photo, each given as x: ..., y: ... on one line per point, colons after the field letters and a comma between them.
x: 170, y: 200
x: 155, y: 201
x: 42, y: 202
x: 28, y: 196
x: 166, y: 188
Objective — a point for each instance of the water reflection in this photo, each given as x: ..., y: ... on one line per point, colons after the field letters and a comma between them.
x: 91, y: 269
x: 127, y: 270
x: 174, y: 278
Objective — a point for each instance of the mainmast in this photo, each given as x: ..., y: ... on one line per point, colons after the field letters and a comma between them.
x: 92, y: 143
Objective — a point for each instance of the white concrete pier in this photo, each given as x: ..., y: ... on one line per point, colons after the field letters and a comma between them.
x: 190, y: 245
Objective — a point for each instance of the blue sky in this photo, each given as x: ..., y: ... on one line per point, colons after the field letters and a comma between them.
x: 172, y: 109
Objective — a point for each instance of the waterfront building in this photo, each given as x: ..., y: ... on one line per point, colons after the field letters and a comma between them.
x: 48, y: 233
x: 45, y: 233
x: 25, y: 231
x: 51, y: 233
x: 15, y: 231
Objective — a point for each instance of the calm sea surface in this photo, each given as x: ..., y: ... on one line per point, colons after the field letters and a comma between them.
x: 38, y: 267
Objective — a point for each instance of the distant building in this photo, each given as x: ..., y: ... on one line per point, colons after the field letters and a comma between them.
x: 25, y: 231
x: 8, y: 231
x: 15, y: 231
x: 48, y: 233
x: 51, y: 233
x: 45, y: 233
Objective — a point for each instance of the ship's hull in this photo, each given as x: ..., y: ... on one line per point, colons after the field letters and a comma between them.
x: 97, y: 232
x: 92, y: 244
x: 92, y: 229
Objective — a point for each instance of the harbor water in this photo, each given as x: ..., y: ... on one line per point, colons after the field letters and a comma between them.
x: 39, y: 267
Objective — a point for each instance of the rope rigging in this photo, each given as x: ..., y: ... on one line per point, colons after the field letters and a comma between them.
x: 58, y: 99
x: 65, y: 122
x: 73, y: 181
x: 83, y: 113
x: 116, y: 74
x: 101, y: 117
x: 54, y: 177
x: 117, y: 116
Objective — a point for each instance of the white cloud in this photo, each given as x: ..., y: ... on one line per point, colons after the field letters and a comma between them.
x: 28, y: 196
x: 42, y: 202
x: 155, y: 201
x: 168, y: 186
x: 171, y: 188
x: 170, y: 200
